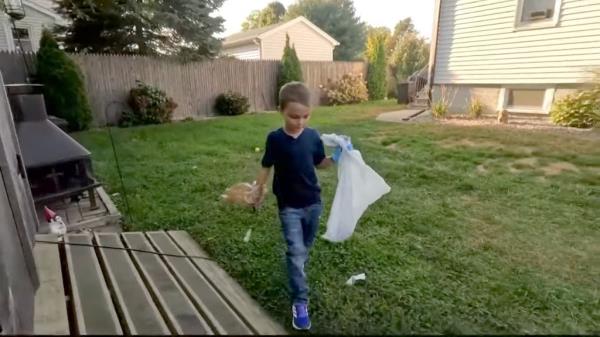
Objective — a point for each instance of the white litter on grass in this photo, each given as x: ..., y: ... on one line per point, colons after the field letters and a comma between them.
x: 247, y: 236
x: 355, y: 278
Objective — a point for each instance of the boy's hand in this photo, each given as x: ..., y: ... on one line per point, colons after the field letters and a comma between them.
x: 258, y: 195
x: 259, y: 188
x: 338, y: 152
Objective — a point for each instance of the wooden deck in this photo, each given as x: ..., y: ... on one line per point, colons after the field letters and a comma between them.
x: 122, y: 286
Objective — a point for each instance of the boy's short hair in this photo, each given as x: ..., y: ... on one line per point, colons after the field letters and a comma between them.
x: 294, y: 92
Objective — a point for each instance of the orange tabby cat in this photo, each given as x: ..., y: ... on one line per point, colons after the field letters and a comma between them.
x: 241, y: 194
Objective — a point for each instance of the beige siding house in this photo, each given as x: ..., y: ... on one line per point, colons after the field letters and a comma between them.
x: 267, y: 43
x: 518, y: 55
x: 39, y: 14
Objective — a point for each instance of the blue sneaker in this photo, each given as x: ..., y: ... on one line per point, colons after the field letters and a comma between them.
x: 300, y: 319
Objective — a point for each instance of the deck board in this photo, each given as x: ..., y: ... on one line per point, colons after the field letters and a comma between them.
x: 140, y: 313
x: 220, y: 315
x: 50, y: 316
x: 182, y: 314
x: 94, y: 310
x: 260, y: 322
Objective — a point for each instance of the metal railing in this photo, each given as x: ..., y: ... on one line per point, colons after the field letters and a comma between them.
x: 416, y: 82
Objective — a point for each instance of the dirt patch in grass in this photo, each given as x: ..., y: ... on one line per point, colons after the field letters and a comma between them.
x: 466, y: 142
x: 532, y: 163
x: 393, y: 146
x: 523, y: 164
x: 482, y: 169
x: 515, y: 122
x: 558, y: 168
x: 484, y: 144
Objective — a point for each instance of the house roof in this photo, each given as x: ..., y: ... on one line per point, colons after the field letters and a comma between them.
x: 260, y: 33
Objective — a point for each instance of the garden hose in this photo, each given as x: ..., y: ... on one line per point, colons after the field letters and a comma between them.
x: 112, y: 143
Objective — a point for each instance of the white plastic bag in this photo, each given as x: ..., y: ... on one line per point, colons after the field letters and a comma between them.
x: 358, y: 187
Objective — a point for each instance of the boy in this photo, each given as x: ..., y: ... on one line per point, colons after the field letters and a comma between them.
x: 295, y: 150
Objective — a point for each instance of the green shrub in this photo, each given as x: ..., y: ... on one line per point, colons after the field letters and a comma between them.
x: 581, y: 110
x: 350, y: 89
x: 475, y: 108
x: 376, y: 77
x: 231, y: 104
x: 290, y: 69
x: 439, y: 109
x: 149, y: 105
x: 64, y: 88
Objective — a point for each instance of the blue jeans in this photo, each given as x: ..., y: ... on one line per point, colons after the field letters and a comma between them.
x: 300, y: 227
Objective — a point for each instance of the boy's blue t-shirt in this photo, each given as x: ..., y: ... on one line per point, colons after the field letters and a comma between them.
x: 295, y: 182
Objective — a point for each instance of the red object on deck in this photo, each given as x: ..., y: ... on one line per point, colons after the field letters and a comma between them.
x: 49, y: 214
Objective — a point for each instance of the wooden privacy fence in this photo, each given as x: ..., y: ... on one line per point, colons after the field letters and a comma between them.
x: 193, y: 86
x: 14, y: 66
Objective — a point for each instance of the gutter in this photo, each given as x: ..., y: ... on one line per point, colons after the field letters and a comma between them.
x: 258, y: 42
x: 433, y: 50
x: 243, y: 42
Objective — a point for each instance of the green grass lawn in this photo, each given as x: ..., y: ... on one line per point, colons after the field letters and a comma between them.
x: 486, y: 230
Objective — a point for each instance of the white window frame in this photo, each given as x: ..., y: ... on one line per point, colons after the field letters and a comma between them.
x: 539, y: 24
x: 13, y: 40
x: 546, y: 106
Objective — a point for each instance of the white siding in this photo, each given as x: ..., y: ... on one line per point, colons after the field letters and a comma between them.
x: 49, y: 4
x: 5, y: 33
x: 34, y: 21
x: 478, y: 44
x: 310, y: 45
x: 246, y: 52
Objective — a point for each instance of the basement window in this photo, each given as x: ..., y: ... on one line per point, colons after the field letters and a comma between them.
x: 526, y: 99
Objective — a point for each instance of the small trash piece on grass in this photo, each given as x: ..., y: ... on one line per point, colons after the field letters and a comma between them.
x: 355, y: 278
x: 247, y: 236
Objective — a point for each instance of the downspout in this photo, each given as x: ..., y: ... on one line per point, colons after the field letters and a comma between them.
x: 433, y: 50
x: 258, y: 42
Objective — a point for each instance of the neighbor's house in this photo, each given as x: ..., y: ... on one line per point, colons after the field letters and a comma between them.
x: 39, y: 14
x: 518, y: 55
x: 267, y: 43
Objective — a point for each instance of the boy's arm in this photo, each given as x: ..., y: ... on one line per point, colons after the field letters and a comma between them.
x: 261, y: 181
x: 325, y: 163
x: 263, y: 176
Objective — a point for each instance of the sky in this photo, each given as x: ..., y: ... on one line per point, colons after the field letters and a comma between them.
x: 373, y: 12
